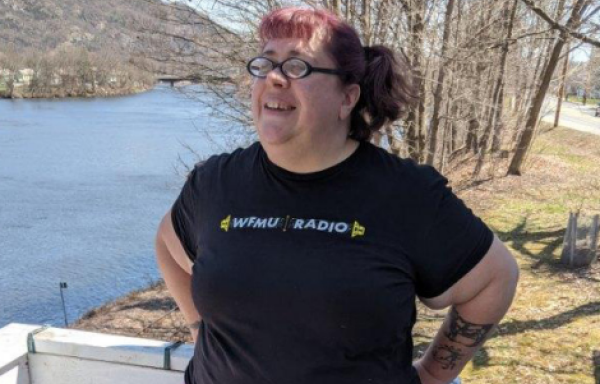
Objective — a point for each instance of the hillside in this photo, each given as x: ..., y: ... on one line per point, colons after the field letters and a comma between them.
x: 52, y: 24
x: 142, y: 29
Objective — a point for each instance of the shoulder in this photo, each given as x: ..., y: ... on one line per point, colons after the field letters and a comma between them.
x: 227, y: 162
x: 404, y: 173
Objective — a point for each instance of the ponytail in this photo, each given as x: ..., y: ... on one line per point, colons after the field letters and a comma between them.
x: 385, y: 92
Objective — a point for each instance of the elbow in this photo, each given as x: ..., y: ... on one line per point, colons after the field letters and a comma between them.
x: 505, y: 277
x: 512, y: 273
x: 505, y: 283
x: 160, y: 245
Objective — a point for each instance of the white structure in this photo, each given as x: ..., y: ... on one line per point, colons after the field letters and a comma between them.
x: 26, y: 75
x: 32, y: 354
x: 55, y: 79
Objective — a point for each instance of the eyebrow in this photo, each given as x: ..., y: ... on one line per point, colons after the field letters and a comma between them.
x: 292, y: 53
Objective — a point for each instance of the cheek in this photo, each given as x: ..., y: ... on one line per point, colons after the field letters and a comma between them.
x: 322, y: 97
x: 255, y: 97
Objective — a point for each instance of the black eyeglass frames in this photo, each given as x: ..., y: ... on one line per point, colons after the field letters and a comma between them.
x: 292, y: 68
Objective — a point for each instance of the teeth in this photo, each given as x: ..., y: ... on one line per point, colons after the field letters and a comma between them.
x: 282, y: 107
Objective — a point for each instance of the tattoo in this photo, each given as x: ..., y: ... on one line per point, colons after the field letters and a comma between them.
x: 465, y: 333
x: 447, y: 355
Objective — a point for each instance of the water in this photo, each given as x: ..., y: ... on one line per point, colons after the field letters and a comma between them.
x: 83, y: 186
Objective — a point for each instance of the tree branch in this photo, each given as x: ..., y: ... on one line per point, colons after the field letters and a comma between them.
x: 555, y: 25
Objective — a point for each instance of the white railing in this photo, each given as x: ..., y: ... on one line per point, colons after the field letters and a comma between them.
x: 32, y: 354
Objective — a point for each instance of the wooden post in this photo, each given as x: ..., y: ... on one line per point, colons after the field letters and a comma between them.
x: 572, y: 248
x: 596, y: 363
x: 567, y: 241
x: 594, y: 238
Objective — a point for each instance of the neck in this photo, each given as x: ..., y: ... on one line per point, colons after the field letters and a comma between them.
x: 311, y: 158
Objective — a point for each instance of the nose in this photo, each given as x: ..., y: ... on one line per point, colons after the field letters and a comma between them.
x: 277, y: 79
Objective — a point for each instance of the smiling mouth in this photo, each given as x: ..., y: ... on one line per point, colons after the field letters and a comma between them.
x: 272, y: 106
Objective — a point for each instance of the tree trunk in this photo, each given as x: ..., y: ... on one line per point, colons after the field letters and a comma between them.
x: 498, y: 125
x: 413, y: 122
x: 365, y: 21
x: 437, y: 96
x: 473, y: 125
x: 335, y: 7
x: 561, y: 90
x: 534, y: 111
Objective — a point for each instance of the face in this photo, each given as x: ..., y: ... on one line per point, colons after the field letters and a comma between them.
x: 299, y: 111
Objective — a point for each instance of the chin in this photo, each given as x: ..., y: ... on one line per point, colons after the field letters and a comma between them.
x: 273, y: 134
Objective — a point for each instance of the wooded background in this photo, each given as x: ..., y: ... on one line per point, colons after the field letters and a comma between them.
x: 482, y: 67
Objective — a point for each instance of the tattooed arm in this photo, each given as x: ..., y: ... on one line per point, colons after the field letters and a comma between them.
x: 478, y: 302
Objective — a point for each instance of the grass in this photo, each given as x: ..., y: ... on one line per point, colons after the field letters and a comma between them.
x: 552, y: 331
x: 589, y: 101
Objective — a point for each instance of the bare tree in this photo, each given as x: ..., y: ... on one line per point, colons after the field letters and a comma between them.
x: 573, y: 23
x: 472, y: 103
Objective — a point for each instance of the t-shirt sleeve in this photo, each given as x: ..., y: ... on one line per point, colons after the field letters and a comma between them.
x: 454, y: 241
x: 185, y: 212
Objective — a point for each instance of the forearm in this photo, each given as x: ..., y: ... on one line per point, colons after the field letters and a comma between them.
x: 178, y: 283
x: 466, y: 327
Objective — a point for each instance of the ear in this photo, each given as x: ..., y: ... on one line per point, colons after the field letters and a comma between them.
x: 351, y: 96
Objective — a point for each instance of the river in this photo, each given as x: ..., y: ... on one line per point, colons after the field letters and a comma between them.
x: 83, y: 186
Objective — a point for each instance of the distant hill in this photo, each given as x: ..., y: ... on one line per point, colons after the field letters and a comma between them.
x: 52, y: 24
x: 90, y: 47
x: 97, y: 25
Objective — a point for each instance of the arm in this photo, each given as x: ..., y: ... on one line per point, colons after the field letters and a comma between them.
x: 478, y: 302
x: 176, y: 269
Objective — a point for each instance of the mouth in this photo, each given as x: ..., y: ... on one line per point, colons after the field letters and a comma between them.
x: 278, y: 106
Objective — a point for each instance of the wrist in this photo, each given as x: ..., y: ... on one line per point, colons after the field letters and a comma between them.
x: 425, y: 376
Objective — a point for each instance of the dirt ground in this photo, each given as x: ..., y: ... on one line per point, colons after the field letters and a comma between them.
x: 552, y: 332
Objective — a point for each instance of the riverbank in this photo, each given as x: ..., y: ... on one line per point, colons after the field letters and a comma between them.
x: 552, y: 331
x: 58, y: 93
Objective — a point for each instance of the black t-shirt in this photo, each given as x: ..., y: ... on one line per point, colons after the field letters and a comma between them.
x: 311, y: 278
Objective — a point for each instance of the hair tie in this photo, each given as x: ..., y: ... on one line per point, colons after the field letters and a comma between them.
x: 370, y: 53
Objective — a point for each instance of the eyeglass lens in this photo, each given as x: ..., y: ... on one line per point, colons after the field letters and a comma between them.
x: 293, y: 68
x: 260, y: 66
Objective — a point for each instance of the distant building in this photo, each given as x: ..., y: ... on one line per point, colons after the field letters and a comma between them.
x: 5, y: 79
x: 24, y: 76
x: 5, y: 75
x: 56, y: 79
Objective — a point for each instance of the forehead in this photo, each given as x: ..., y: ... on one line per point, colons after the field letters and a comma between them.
x: 286, y: 47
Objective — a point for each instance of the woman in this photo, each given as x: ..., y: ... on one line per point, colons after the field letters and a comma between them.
x: 309, y: 247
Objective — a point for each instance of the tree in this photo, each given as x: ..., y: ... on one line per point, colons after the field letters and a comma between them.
x: 573, y: 23
x: 481, y: 68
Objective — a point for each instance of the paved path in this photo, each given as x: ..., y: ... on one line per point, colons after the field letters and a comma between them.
x: 572, y: 115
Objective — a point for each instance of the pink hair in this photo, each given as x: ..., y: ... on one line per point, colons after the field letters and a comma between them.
x: 296, y: 22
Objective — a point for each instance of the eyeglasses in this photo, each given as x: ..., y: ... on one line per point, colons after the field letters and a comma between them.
x: 292, y: 68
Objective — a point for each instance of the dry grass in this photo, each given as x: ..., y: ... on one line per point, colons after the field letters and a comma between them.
x: 149, y: 313
x: 553, y: 328
x: 552, y: 331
